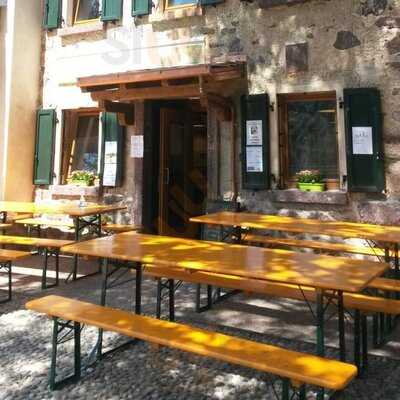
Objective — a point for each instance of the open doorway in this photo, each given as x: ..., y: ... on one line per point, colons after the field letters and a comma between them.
x: 175, y: 153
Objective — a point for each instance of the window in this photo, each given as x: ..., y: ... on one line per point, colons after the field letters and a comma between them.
x: 178, y: 3
x: 86, y: 10
x: 308, y: 136
x: 81, y: 144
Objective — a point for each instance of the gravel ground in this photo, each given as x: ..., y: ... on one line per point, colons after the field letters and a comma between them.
x: 142, y: 371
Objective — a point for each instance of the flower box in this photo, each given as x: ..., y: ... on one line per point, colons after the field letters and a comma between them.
x: 311, y: 187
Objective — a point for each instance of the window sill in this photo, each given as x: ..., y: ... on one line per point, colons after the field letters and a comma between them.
x: 171, y: 14
x: 74, y: 190
x: 332, y: 197
x: 81, y: 29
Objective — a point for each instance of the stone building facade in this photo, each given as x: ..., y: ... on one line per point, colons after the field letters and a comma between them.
x: 304, y: 55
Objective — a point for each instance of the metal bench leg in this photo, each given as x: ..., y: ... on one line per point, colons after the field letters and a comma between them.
x: 57, y: 255
x: 364, y: 336
x: 159, y: 294
x: 171, y: 285
x: 382, y: 328
x: 208, y: 306
x: 198, y: 293
x: 59, y: 327
x: 285, y: 389
x: 209, y: 296
x: 357, y: 338
x: 44, y: 272
x: 7, y: 266
x: 302, y: 393
x: 375, y: 322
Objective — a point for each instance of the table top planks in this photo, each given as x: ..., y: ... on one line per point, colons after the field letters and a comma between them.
x: 382, y: 233
x: 67, y: 209
x: 319, y: 271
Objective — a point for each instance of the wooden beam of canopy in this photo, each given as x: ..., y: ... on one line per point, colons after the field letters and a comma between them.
x: 125, y: 111
x: 166, y: 83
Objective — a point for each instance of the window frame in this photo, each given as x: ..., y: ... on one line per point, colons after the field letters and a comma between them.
x: 285, y: 180
x: 75, y: 9
x: 167, y: 7
x: 81, y: 112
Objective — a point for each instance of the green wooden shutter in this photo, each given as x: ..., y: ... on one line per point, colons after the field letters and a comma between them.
x: 111, y: 10
x: 52, y: 14
x: 365, y: 169
x: 210, y: 2
x: 255, y: 113
x: 44, y: 148
x: 141, y: 7
x: 113, y: 132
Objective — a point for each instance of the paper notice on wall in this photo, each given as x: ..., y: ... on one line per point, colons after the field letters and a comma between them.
x: 110, y: 163
x: 254, y: 135
x: 110, y: 153
x: 362, y: 140
x: 137, y: 146
x: 110, y: 174
x: 254, y: 159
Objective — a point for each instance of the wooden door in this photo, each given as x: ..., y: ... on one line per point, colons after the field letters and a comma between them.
x: 181, y: 182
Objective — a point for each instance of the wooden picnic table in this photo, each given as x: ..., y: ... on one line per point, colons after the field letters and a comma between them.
x: 83, y: 217
x: 379, y: 233
x: 321, y: 272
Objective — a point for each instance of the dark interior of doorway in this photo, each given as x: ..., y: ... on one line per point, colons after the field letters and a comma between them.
x: 194, y: 117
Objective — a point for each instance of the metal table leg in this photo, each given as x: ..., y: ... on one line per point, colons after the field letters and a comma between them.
x: 342, y: 334
x: 320, y: 332
x: 138, y: 294
x: 79, y: 225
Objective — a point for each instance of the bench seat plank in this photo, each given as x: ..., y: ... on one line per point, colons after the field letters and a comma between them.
x: 353, y: 301
x: 315, y: 245
x: 11, y: 255
x: 44, y: 222
x: 289, y: 364
x: 390, y: 285
x: 120, y: 228
x: 36, y: 242
x: 5, y: 226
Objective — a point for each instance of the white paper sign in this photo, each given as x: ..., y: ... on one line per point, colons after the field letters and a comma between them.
x: 254, y: 159
x: 362, y: 140
x: 254, y: 133
x: 137, y: 146
x: 109, y: 174
x: 110, y: 153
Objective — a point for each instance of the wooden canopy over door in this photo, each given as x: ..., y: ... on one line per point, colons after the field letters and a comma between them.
x: 213, y: 83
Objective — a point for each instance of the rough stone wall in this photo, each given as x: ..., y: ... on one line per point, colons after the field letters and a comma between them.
x: 338, y: 44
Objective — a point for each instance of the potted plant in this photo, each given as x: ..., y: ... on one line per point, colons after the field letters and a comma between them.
x: 310, y: 181
x: 82, y: 178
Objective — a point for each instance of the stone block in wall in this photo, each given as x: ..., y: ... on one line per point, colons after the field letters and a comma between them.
x: 331, y: 197
x: 297, y: 58
x: 276, y: 3
x: 380, y: 212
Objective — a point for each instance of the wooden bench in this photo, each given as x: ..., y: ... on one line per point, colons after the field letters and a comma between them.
x: 39, y: 223
x: 119, y: 228
x: 300, y: 369
x: 51, y: 248
x: 5, y: 226
x: 363, y: 305
x: 7, y: 257
x: 314, y: 245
